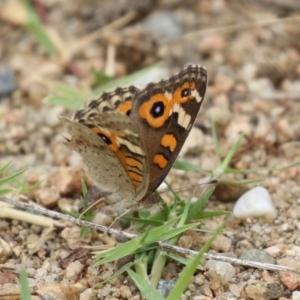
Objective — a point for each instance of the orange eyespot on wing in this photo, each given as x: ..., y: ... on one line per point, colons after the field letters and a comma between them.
x: 184, y: 93
x: 160, y: 160
x: 157, y: 110
x: 169, y: 141
x: 125, y: 107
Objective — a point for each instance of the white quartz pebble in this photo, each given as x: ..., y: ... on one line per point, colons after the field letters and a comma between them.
x: 221, y: 270
x: 255, y: 203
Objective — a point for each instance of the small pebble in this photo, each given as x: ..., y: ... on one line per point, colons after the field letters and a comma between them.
x: 289, y: 279
x: 221, y: 244
x: 165, y: 286
x: 194, y: 139
x: 220, y: 270
x: 296, y: 296
x: 73, y: 269
x: 48, y: 197
x: 5, y: 251
x: 264, y: 291
x: 7, y: 81
x: 255, y: 203
x: 262, y: 87
x: 163, y: 25
x: 259, y: 256
x: 88, y: 294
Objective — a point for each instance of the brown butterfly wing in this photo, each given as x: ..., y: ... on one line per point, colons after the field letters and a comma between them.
x: 165, y: 113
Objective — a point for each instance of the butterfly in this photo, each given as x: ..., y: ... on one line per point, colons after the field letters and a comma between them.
x: 129, y: 138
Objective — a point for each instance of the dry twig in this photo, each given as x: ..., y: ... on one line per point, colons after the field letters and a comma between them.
x: 163, y: 245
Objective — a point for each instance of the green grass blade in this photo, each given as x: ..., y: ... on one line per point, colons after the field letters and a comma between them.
x: 5, y: 191
x: 225, y: 163
x: 11, y: 177
x: 181, y: 259
x: 170, y: 233
x: 119, y: 252
x: 116, y: 274
x: 124, y: 81
x: 186, y: 166
x: 216, y: 141
x: 189, y: 270
x: 83, y: 231
x: 256, y: 170
x: 198, y: 205
x: 34, y: 25
x: 84, y: 188
x: 209, y: 214
x: 25, y: 290
x: 239, y: 183
x: 5, y: 167
x: 26, y: 189
x: 68, y: 96
x: 145, y: 288
x: 147, y: 222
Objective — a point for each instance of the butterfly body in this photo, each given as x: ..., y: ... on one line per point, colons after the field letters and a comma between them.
x: 129, y: 139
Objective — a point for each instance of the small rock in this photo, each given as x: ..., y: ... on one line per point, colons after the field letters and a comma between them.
x: 71, y: 235
x: 88, y: 294
x: 205, y: 289
x: 199, y: 279
x: 229, y: 192
x: 221, y: 244
x: 258, y: 255
x: 51, y: 118
x: 74, y: 269
x: 256, y: 228
x: 125, y: 292
x: 234, y: 289
x: 296, y: 296
x: 216, y: 286
x: 194, y: 139
x: 274, y: 251
x: 289, y: 279
x: 262, y: 87
x: 264, y: 291
x: 237, y: 126
x: 185, y: 241
x: 7, y: 81
x: 255, y: 203
x: 220, y: 270
x: 165, y: 286
x: 220, y: 115
x: 249, y: 71
x: 5, y: 251
x: 163, y: 25
x: 48, y: 197
x: 224, y: 83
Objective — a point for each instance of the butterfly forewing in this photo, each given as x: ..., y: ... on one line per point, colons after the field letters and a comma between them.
x: 165, y: 113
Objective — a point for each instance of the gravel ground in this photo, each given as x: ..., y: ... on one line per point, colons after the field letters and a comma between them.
x: 251, y: 52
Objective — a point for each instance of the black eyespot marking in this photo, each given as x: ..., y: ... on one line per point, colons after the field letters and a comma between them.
x: 117, y: 103
x: 185, y: 93
x: 105, y: 138
x: 128, y: 113
x: 106, y: 108
x: 157, y: 109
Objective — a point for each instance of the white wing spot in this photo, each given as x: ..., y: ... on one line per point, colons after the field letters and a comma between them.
x: 196, y: 95
x: 133, y: 148
x: 132, y: 133
x: 168, y: 95
x: 184, y: 119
